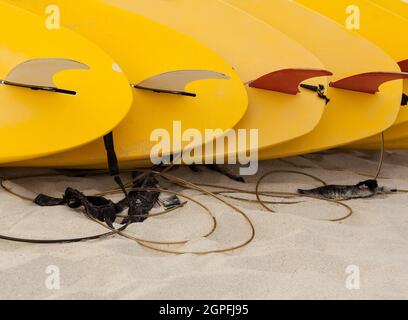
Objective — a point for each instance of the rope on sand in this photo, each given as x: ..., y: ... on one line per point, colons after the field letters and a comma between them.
x: 218, y: 195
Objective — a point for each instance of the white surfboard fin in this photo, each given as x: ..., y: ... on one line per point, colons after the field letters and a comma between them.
x: 403, y: 65
x: 368, y: 82
x: 287, y: 80
x: 175, y: 82
x: 38, y: 74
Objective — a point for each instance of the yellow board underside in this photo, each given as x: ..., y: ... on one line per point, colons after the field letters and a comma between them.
x: 144, y: 48
x: 396, y: 136
x: 350, y: 116
x: 254, y: 49
x: 399, y: 7
x: 38, y: 123
x: 384, y: 28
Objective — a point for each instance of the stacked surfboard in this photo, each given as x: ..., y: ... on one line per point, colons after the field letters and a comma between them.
x: 87, y: 84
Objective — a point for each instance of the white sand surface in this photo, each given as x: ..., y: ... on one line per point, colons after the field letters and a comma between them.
x: 295, y: 254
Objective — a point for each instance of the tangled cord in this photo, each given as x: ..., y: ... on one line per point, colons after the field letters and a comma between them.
x: 113, y: 231
x: 226, y: 193
x: 144, y: 242
x: 42, y: 241
x: 278, y: 194
x: 191, y: 186
x: 264, y: 203
x: 272, y: 194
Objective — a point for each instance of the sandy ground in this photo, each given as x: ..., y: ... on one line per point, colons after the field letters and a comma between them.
x: 295, y: 255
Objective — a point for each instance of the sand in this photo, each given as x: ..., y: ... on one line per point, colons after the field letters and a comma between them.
x: 296, y: 253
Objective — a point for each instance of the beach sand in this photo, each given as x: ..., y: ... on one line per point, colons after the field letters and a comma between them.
x: 296, y: 253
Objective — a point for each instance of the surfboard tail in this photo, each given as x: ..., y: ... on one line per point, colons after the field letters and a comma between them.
x: 367, y: 82
x: 287, y: 80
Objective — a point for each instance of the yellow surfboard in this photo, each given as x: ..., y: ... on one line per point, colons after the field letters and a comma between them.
x: 399, y: 7
x: 259, y: 53
x: 395, y: 137
x: 54, y: 88
x: 153, y: 57
x: 350, y: 116
x: 401, y: 144
x: 398, y: 144
x: 380, y: 26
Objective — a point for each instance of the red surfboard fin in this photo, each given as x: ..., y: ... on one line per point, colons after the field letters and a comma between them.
x: 368, y: 82
x: 403, y: 65
x: 287, y: 80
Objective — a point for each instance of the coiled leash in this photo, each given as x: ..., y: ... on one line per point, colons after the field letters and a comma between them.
x: 140, y: 203
x: 98, y: 208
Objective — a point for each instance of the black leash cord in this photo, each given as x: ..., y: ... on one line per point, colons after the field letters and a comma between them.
x: 58, y: 241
